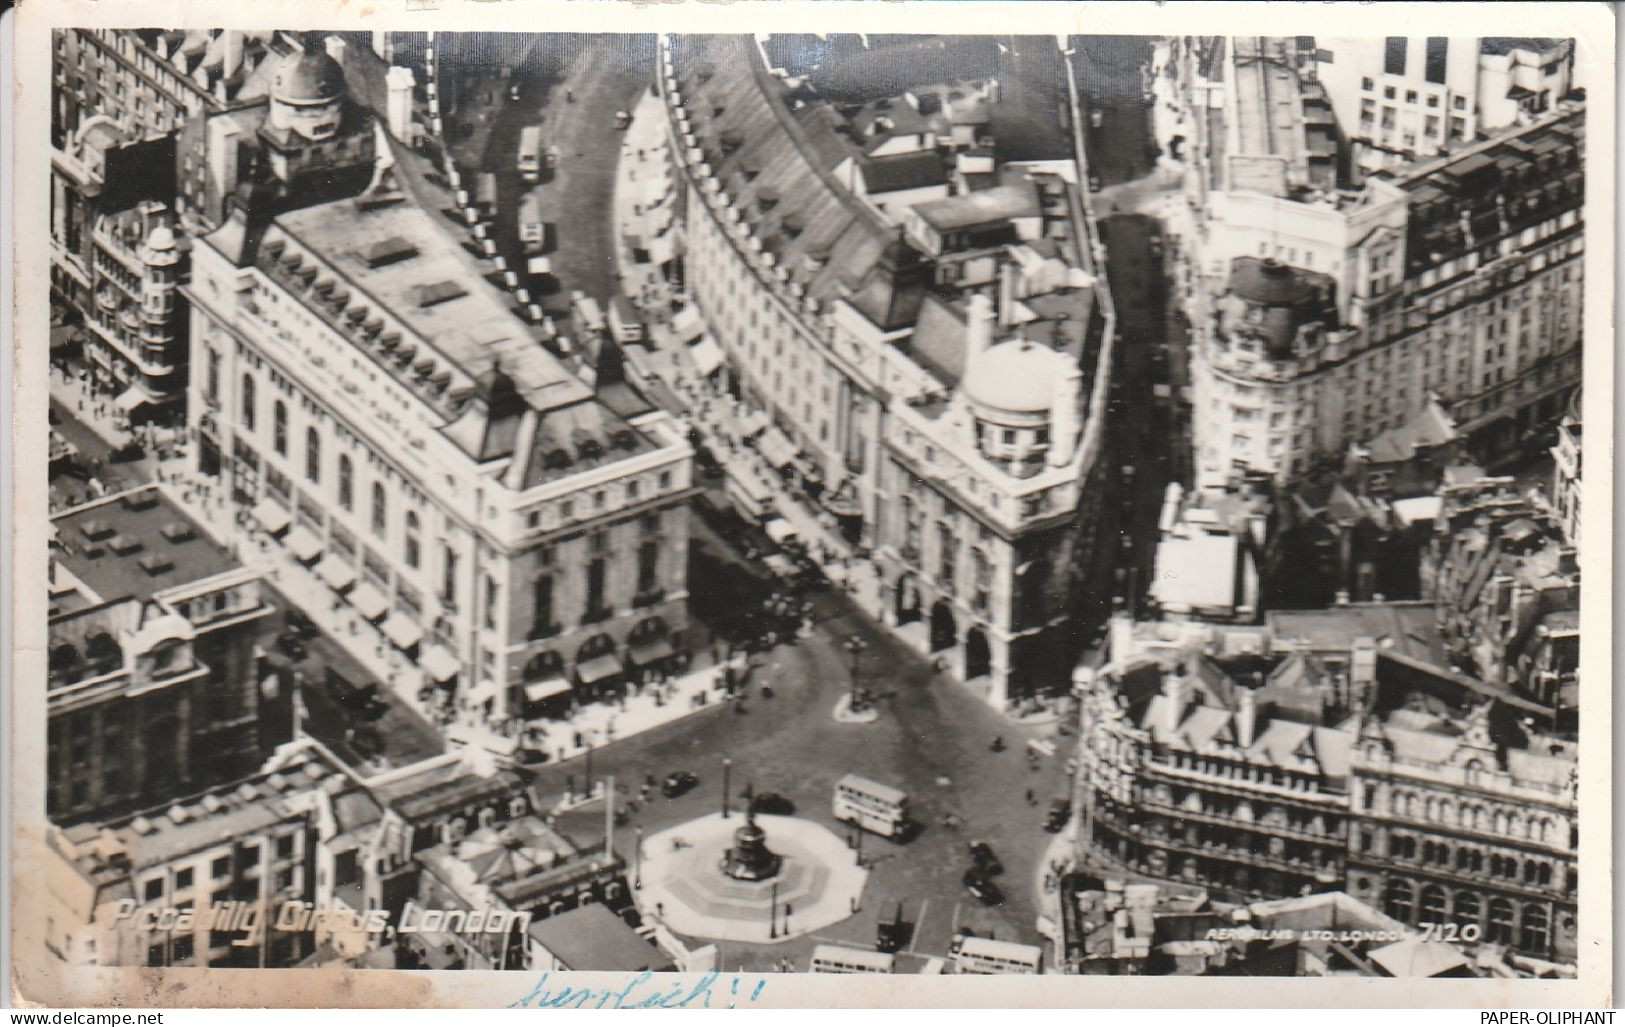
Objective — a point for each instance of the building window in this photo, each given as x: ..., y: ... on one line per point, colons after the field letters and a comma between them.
x: 1459, y: 103
x: 1498, y: 931
x: 1466, y: 909
x: 346, y: 482
x: 212, y: 382
x: 1367, y: 84
x: 1393, y: 58
x: 448, y: 585
x: 380, y: 508
x: 313, y: 456
x: 279, y: 428
x: 541, y: 595
x: 413, y: 551
x: 1536, y: 930
x: 491, y: 597
x: 153, y: 890
x: 1397, y: 900
x: 1433, y: 905
x: 183, y: 879
x: 595, y: 588
x: 248, y: 402
x: 648, y: 566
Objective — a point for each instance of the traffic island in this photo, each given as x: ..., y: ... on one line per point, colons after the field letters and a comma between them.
x: 687, y: 884
x: 845, y: 714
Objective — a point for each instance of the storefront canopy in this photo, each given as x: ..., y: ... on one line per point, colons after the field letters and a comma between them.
x: 688, y: 324
x: 131, y: 399
x: 541, y: 691
x: 402, y: 630
x: 707, y: 355
x: 598, y: 668
x: 338, y: 574
x: 439, y: 663
x: 651, y: 651
x: 271, y: 515
x: 776, y: 447
x: 303, y: 543
x: 369, y: 600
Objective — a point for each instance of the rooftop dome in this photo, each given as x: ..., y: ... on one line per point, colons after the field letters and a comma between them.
x: 307, y: 78
x: 162, y: 239
x: 1271, y: 283
x: 1016, y: 377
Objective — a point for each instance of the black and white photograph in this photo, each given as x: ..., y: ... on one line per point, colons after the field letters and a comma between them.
x: 770, y: 502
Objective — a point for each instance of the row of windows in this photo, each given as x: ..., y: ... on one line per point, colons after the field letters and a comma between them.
x: 1498, y: 922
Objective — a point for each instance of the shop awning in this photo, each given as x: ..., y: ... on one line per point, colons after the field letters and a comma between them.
x: 303, y: 543
x: 779, y: 530
x: 130, y: 399
x: 271, y: 515
x: 707, y: 355
x: 540, y: 691
x: 598, y: 668
x: 688, y: 324
x: 776, y: 447
x: 402, y: 630
x: 752, y: 423
x: 652, y: 651
x: 369, y: 600
x: 338, y: 574
x: 485, y: 689
x: 439, y: 664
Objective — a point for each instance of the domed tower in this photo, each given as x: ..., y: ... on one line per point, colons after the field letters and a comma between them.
x: 1023, y: 397
x: 160, y: 260
x: 307, y: 95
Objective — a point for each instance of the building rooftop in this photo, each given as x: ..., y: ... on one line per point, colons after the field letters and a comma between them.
x: 590, y: 937
x: 983, y: 207
x: 1409, y: 628
x: 1197, y: 571
x: 443, y: 786
x: 136, y: 544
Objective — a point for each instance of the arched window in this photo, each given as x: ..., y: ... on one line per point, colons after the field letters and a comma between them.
x: 380, y: 509
x: 1397, y: 900
x: 1447, y: 812
x: 279, y: 428
x: 1499, y: 929
x: 1536, y: 933
x: 346, y: 482
x: 413, y: 553
x: 1431, y: 909
x: 313, y: 455
x: 248, y: 401
x: 1544, y: 874
x: 1466, y: 908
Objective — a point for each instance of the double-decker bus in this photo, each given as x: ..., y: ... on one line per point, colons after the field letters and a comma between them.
x: 974, y: 955
x: 871, y: 805
x: 838, y: 959
x: 530, y: 153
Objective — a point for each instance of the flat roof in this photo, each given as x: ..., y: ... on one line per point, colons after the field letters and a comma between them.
x: 471, y: 325
x: 985, y: 206
x: 1197, y: 571
x: 136, y: 544
x: 590, y: 937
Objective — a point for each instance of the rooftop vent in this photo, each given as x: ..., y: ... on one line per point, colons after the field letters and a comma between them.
x: 177, y: 532
x: 124, y: 546
x: 97, y: 530
x: 179, y: 814
x: 439, y: 292
x: 388, y: 251
x: 155, y: 565
x: 143, y: 826
x: 143, y: 500
x: 211, y: 804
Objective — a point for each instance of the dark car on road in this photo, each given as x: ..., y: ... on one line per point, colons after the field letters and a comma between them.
x: 1060, y: 811
x: 986, y: 860
x: 982, y: 887
x: 677, y: 783
x: 772, y: 804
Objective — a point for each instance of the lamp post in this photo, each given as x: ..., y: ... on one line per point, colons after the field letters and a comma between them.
x: 773, y: 912
x: 587, y: 784
x: 854, y: 648
x: 727, y: 767
x: 637, y: 859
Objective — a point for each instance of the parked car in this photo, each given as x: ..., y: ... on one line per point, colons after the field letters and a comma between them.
x: 677, y: 783
x: 986, y: 860
x: 982, y: 888
x: 892, y: 934
x: 622, y: 119
x: 1060, y: 811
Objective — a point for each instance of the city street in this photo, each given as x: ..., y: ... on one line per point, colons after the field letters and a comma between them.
x: 573, y: 91
x: 932, y: 740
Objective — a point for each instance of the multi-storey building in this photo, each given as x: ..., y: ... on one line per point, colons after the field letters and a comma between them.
x: 1259, y: 762
x: 377, y: 403
x: 1402, y: 98
x: 1325, y: 316
x: 153, y: 689
x: 204, y: 881
x: 937, y: 364
x: 1507, y: 582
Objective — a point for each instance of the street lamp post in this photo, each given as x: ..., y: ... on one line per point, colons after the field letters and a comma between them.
x: 773, y: 913
x: 637, y: 860
x: 727, y: 766
x: 587, y: 784
x: 855, y: 647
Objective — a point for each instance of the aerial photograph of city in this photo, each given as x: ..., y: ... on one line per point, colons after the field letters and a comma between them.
x: 844, y: 503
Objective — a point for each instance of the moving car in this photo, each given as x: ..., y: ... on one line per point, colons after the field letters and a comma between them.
x: 982, y: 888
x: 986, y: 860
x: 677, y: 783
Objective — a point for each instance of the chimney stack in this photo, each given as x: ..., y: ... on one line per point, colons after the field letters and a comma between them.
x: 1007, y: 292
x: 1174, y: 693
x: 336, y: 48
x: 1246, y: 718
x: 400, y: 82
x: 978, y: 329
x: 1363, y: 667
x: 232, y: 58
x: 1066, y: 420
